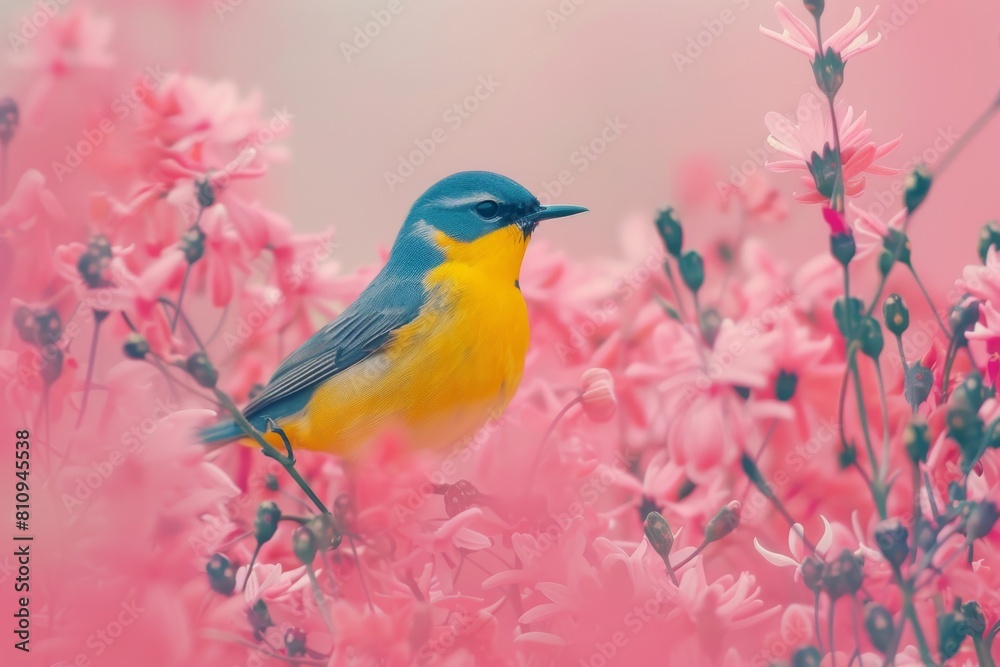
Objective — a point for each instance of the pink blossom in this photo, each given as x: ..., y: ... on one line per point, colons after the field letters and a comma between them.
x: 848, y: 41
x: 799, y: 140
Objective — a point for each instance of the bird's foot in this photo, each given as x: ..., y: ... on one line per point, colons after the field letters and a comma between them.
x: 272, y: 427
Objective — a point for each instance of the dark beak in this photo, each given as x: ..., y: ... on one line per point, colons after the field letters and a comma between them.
x: 530, y: 221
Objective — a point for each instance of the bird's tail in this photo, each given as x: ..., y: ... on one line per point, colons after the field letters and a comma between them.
x: 221, y: 432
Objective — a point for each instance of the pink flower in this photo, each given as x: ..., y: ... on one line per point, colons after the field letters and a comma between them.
x: 872, y: 231
x: 796, y: 547
x: 800, y: 140
x: 849, y: 41
x: 598, y: 397
x: 75, y: 38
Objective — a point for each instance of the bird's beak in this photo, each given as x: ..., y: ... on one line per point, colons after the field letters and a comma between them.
x: 530, y: 221
x: 557, y: 211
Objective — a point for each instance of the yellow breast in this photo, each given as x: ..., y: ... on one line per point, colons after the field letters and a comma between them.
x: 446, y: 372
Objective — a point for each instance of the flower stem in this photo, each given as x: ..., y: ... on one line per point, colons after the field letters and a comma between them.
x: 969, y: 134
x: 99, y: 317
x: 930, y: 302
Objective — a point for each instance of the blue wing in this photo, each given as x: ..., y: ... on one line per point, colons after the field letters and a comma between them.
x: 363, y: 329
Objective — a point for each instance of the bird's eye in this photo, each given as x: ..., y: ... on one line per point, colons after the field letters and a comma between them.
x: 488, y: 209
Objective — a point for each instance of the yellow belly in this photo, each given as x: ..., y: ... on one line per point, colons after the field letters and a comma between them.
x: 442, y: 376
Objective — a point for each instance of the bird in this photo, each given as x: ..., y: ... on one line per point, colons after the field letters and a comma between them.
x: 434, y: 346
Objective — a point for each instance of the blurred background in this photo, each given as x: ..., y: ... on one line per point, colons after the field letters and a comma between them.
x: 388, y: 96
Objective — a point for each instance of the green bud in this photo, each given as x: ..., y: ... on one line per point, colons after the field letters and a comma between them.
x: 964, y: 315
x: 271, y: 482
x: 848, y: 314
x: 221, y: 574
x: 896, y: 314
x: 304, y: 545
x: 989, y: 237
x: 295, y: 641
x: 193, y: 244
x: 828, y: 69
x: 206, y: 194
x: 265, y: 524
x: 843, y: 576
x: 918, y: 384
x: 807, y: 656
x: 951, y: 633
x: 880, y: 626
x: 870, y: 335
x: 975, y: 619
x: 981, y: 519
x: 825, y: 170
x: 10, y: 117
x: 891, y: 538
x: 136, y: 346
x: 814, y: 7
x: 724, y: 522
x: 918, y: 184
x: 843, y: 247
x: 670, y: 231
x: 259, y: 617
x: 460, y: 496
x: 692, y: 269
x: 202, y: 370
x: 711, y: 322
x: 660, y: 537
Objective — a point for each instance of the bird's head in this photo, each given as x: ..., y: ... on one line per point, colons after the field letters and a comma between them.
x: 480, y: 218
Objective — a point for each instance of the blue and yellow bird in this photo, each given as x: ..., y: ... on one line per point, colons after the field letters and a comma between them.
x: 436, y: 343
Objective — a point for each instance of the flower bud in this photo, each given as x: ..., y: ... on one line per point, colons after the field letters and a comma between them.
x: 136, y: 346
x: 981, y: 520
x: 891, y: 536
x: 989, y: 237
x: 295, y: 642
x: 916, y: 439
x: 825, y: 170
x: 807, y: 656
x: 895, y: 248
x: 598, y: 394
x: 670, y: 231
x: 785, y: 386
x: 304, y: 545
x: 964, y: 315
x: 193, y: 244
x: 259, y: 617
x: 815, y: 7
x: 843, y: 576
x: 460, y: 496
x: 202, y: 370
x: 848, y: 314
x: 918, y: 184
x: 221, y: 574
x: 724, y: 522
x: 692, y: 269
x: 271, y: 482
x: 975, y: 619
x: 918, y: 384
x: 324, y: 529
x: 951, y: 633
x: 26, y: 324
x: 206, y: 194
x: 870, y: 335
x: 660, y: 537
x: 896, y: 314
x: 265, y: 524
x: 812, y: 573
x: 880, y: 626
x: 828, y: 69
x: 10, y: 117
x: 49, y: 326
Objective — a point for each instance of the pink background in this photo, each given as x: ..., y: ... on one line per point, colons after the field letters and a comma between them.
x: 937, y: 69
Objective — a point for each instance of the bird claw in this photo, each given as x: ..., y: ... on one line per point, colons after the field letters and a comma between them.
x: 272, y: 427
